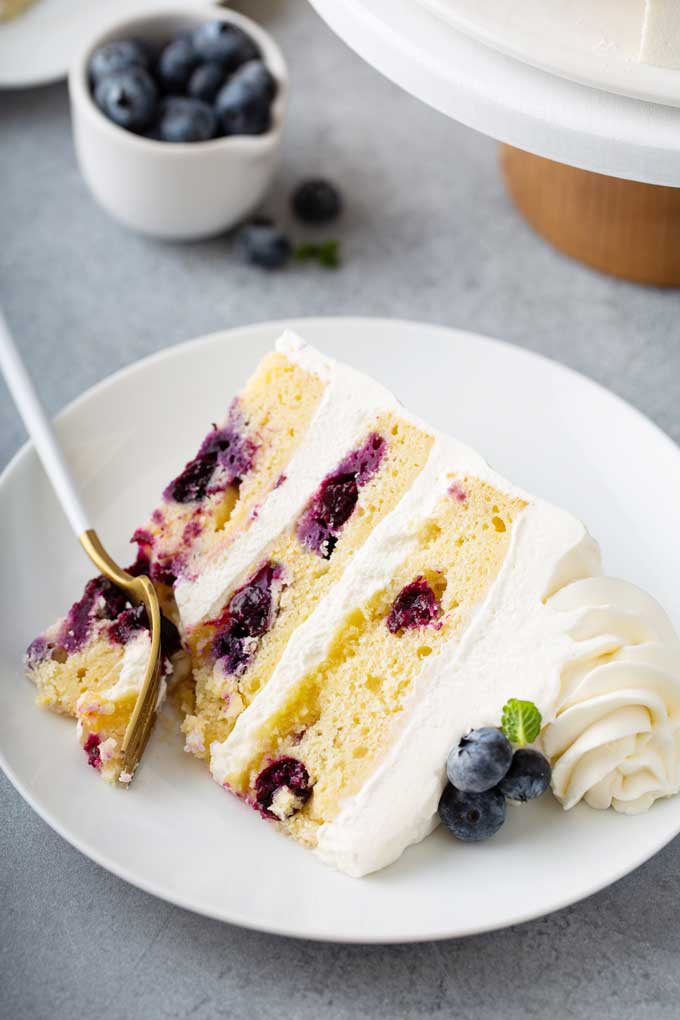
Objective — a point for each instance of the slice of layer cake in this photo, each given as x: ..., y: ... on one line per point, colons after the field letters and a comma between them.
x: 468, y: 593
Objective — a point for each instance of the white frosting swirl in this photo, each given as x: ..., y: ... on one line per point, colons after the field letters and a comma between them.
x: 615, y: 738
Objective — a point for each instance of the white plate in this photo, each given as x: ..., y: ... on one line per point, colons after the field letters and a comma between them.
x: 37, y: 47
x: 594, y: 42
x: 176, y: 833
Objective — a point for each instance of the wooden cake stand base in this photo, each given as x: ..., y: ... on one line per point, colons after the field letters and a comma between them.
x: 621, y: 227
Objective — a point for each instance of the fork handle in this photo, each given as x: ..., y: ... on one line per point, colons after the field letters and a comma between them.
x: 40, y: 430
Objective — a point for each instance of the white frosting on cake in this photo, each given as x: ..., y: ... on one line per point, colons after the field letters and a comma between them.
x: 661, y: 33
x: 540, y: 634
x: 133, y: 667
x: 615, y: 739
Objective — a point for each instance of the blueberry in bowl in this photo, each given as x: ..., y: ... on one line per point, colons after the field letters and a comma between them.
x: 226, y: 44
x: 119, y: 55
x: 136, y: 84
x: 128, y: 97
x: 183, y: 119
x: 177, y: 118
x: 243, y: 103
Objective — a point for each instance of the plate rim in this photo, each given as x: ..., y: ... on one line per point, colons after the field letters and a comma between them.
x: 318, y: 933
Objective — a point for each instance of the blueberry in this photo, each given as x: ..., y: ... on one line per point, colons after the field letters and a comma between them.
x: 243, y: 107
x: 286, y: 773
x: 191, y: 486
x: 527, y: 777
x: 128, y: 98
x: 316, y: 201
x: 186, y: 120
x: 480, y: 761
x: 263, y: 244
x: 176, y: 64
x: 118, y: 55
x: 472, y: 816
x: 206, y: 81
x: 416, y: 605
x: 226, y: 43
x: 255, y: 74
x: 248, y: 616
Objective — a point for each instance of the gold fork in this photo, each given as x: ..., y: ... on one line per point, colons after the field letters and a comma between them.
x: 139, y: 589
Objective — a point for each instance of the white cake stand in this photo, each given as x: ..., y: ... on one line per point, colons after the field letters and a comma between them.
x: 541, y: 114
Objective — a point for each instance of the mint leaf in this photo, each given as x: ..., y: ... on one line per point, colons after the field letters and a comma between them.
x: 520, y: 721
x: 327, y: 253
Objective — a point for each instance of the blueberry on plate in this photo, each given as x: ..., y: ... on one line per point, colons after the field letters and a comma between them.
x: 472, y: 816
x: 118, y: 55
x: 480, y: 761
x: 128, y: 98
x: 528, y: 776
x: 184, y: 119
x: 263, y: 244
x: 206, y: 81
x: 176, y: 64
x: 243, y: 107
x: 228, y: 44
x: 316, y: 201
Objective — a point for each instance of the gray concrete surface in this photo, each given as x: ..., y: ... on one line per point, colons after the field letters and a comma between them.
x: 429, y: 234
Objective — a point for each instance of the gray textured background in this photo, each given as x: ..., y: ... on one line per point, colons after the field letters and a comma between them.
x: 429, y: 234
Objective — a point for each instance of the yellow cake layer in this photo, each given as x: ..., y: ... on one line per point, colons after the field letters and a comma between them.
x: 61, y: 680
x: 75, y: 685
x: 340, y: 718
x: 276, y: 407
x: 307, y: 578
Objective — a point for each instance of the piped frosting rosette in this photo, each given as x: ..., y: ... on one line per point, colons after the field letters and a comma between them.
x: 615, y: 738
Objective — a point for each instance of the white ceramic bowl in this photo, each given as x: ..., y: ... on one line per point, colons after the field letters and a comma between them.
x: 170, y: 190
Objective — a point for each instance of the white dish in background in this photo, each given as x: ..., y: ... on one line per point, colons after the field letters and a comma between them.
x: 38, y: 46
x: 593, y: 42
x: 175, y: 833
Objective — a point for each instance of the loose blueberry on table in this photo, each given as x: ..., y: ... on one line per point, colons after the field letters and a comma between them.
x: 484, y: 772
x: 205, y: 84
x: 262, y: 244
x: 316, y: 201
